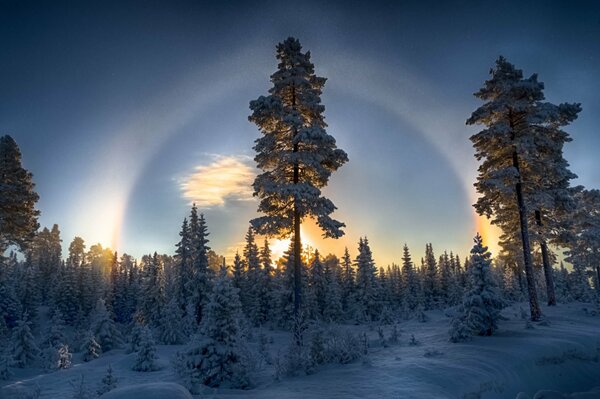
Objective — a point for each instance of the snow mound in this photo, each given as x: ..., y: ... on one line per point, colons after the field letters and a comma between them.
x: 156, y: 390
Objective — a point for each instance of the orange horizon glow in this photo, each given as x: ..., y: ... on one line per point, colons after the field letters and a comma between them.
x: 489, y: 233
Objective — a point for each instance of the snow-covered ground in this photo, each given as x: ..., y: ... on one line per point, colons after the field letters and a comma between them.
x: 561, y: 354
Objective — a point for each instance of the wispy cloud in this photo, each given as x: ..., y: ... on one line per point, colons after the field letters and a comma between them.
x: 226, y: 178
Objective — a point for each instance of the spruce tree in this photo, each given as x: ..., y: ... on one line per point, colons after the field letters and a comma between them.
x: 295, y: 153
x: 90, y: 347
x: 431, y: 290
x: 410, y: 294
x: 367, y: 287
x: 199, y: 286
x: 108, y: 383
x: 18, y: 216
x: 481, y: 306
x: 145, y: 359
x: 172, y: 326
x: 184, y: 261
x: 153, y: 296
x: 24, y: 350
x: 584, y: 243
x: 216, y: 358
x: 347, y: 280
x: 104, y: 328
x: 250, y: 296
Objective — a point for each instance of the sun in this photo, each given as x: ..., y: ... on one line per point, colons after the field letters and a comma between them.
x: 279, y: 246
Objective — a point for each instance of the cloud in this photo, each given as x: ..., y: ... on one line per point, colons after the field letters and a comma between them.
x: 226, y: 178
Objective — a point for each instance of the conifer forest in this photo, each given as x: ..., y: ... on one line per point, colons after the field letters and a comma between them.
x: 299, y: 200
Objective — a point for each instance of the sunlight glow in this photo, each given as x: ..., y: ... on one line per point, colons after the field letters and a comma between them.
x: 280, y: 246
x: 226, y: 178
x: 489, y: 233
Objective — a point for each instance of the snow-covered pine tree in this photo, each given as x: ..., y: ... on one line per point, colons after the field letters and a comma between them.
x: 66, y: 300
x: 317, y: 288
x: 63, y: 357
x: 216, y: 357
x: 5, y: 363
x: 108, y: 383
x: 172, y: 326
x: 18, y: 216
x: 104, y: 329
x: 481, y: 306
x: 431, y: 292
x: 28, y: 292
x: 24, y: 350
x: 146, y: 357
x: 199, y: 285
x: 250, y: 295
x: 333, y: 296
x: 266, y: 286
x: 410, y: 282
x: 444, y: 279
x: 184, y: 260
x: 296, y: 154
x: 347, y: 280
x: 90, y: 347
x: 522, y: 166
x: 368, y: 305
x: 584, y: 243
x: 153, y: 296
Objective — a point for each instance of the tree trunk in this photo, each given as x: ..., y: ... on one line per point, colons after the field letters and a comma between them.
x: 536, y: 313
x: 546, y: 261
x: 297, y: 246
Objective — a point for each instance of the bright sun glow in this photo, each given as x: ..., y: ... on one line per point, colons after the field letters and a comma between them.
x: 280, y: 246
x: 489, y: 233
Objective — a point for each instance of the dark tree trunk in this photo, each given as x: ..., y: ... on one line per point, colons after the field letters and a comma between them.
x: 546, y: 261
x: 297, y: 246
x: 534, y: 306
x: 536, y: 313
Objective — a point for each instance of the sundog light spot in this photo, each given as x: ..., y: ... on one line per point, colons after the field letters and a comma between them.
x: 226, y: 178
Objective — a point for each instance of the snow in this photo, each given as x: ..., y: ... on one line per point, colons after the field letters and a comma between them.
x: 156, y: 390
x: 563, y: 356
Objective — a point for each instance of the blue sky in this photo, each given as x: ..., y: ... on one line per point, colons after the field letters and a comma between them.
x: 118, y: 106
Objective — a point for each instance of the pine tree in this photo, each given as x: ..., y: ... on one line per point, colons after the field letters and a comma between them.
x: 18, y: 216
x: 5, y: 363
x: 296, y: 154
x: 153, y: 299
x: 199, y: 285
x: 366, y: 283
x: 108, y: 383
x: 24, y: 350
x: 347, y: 280
x: 146, y: 355
x: 317, y: 288
x: 28, y: 292
x: 480, y: 310
x: 184, y: 261
x: 431, y: 290
x: 410, y: 280
x: 333, y: 296
x: 104, y: 328
x: 172, y: 325
x: 90, y: 347
x: 521, y: 149
x: 584, y: 243
x: 250, y: 296
x: 265, y: 292
x: 216, y: 356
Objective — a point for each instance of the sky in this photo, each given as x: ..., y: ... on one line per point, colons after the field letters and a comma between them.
x: 127, y: 112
